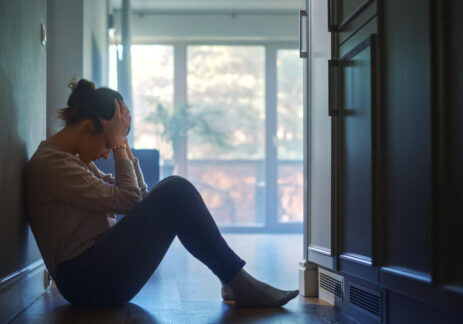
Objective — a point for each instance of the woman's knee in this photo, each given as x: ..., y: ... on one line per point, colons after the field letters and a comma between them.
x: 178, y: 181
x: 173, y: 185
x: 174, y: 178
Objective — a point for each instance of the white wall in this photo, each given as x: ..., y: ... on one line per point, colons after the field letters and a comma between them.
x: 95, y: 41
x: 22, y: 127
x: 64, y: 53
x: 77, y: 31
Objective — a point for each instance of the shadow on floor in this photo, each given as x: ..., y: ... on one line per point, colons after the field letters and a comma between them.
x: 182, y: 290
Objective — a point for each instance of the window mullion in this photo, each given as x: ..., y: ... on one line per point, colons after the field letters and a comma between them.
x: 271, y: 163
x: 180, y: 99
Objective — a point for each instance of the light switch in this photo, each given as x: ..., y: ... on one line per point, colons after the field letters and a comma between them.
x: 43, y: 35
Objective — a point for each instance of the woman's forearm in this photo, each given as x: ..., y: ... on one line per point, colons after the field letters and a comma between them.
x: 129, y: 154
x: 120, y: 153
x: 129, y: 151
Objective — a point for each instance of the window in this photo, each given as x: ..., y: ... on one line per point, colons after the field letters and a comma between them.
x: 290, y: 136
x: 227, y: 83
x: 152, y: 85
x: 226, y: 156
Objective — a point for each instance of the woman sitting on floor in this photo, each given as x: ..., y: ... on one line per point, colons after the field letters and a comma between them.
x: 96, y: 261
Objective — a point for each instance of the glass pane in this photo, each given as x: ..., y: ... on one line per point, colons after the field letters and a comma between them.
x: 226, y: 90
x: 152, y: 85
x: 290, y: 136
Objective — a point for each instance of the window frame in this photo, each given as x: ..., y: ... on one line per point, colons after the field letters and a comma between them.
x: 271, y: 224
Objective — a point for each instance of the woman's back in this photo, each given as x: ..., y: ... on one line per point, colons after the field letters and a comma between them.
x: 68, y: 202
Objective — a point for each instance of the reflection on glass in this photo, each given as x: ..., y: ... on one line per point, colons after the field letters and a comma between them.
x: 290, y: 136
x: 227, y: 85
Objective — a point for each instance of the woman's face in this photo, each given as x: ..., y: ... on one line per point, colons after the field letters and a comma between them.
x: 93, y: 147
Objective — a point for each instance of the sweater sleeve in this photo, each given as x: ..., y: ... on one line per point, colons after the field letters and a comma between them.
x: 108, y: 177
x: 141, y: 181
x: 74, y: 184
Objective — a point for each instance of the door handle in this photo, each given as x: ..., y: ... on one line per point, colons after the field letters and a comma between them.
x: 302, y: 53
x: 333, y: 77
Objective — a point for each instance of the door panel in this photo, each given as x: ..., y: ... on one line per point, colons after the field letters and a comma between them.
x: 454, y: 220
x: 408, y: 134
x: 350, y: 7
x: 355, y: 181
x: 350, y: 27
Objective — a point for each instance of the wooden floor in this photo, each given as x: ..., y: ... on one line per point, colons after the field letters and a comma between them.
x: 183, y: 290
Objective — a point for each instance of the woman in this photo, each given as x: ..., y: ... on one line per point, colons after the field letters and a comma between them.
x: 96, y: 261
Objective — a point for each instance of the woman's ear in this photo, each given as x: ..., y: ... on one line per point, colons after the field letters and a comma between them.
x: 87, y: 127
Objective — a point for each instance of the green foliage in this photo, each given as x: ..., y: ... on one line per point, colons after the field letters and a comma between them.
x: 185, y: 120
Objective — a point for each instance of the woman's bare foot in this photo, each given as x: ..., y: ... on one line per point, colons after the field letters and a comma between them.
x: 250, y: 292
x: 227, y: 293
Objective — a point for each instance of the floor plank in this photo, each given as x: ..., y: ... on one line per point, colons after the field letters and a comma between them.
x: 183, y: 290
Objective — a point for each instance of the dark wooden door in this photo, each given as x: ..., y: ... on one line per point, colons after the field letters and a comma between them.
x: 355, y: 151
x: 355, y: 110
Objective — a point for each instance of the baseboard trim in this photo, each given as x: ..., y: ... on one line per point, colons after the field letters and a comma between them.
x: 19, y: 289
x: 308, y: 279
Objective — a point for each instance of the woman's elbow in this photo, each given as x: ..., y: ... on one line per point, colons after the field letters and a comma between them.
x: 134, y: 197
x: 129, y: 200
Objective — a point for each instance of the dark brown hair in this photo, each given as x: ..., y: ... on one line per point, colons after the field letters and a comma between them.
x: 87, y: 102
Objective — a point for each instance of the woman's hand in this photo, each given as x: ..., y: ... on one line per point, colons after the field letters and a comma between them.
x: 129, y: 152
x: 116, y: 129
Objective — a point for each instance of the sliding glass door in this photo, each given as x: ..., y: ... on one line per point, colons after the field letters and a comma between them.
x: 243, y: 126
x: 226, y: 84
x: 289, y: 136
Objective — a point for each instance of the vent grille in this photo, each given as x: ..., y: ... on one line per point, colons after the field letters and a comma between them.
x: 369, y: 302
x: 330, y: 284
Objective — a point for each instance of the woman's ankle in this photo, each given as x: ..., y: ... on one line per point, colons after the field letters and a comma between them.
x: 238, y: 279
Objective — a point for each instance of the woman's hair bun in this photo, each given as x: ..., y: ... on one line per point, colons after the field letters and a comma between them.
x: 82, y: 87
x: 82, y: 93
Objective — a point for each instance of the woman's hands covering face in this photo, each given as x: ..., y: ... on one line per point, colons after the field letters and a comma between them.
x: 118, y: 127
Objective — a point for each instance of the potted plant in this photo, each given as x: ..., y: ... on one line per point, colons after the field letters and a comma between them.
x: 177, y: 123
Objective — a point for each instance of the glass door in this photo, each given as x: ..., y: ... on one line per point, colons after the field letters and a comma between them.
x: 243, y: 118
x: 226, y: 92
x: 289, y: 136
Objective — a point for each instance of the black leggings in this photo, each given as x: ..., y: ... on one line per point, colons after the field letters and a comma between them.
x: 123, y: 258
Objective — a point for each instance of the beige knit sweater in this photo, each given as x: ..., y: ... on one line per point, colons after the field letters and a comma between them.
x: 70, y: 203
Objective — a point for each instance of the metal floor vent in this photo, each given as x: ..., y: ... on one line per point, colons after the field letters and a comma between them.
x: 366, y: 301
x: 331, y: 286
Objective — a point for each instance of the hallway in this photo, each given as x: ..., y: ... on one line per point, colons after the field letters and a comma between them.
x: 182, y: 290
